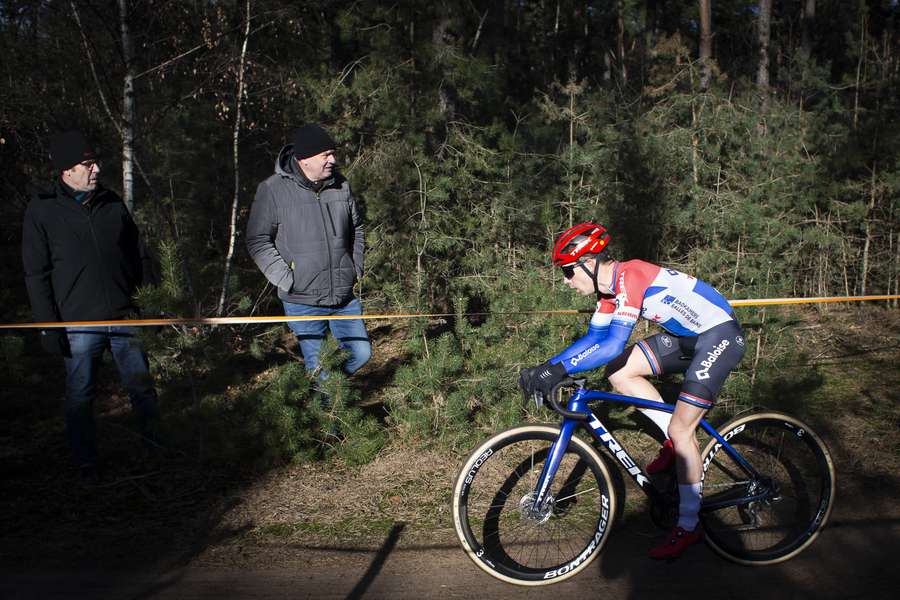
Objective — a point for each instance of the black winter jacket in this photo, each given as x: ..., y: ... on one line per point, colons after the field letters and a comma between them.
x: 83, y: 261
x: 308, y: 244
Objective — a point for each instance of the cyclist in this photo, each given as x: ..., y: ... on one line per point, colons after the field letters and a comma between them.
x: 702, y: 339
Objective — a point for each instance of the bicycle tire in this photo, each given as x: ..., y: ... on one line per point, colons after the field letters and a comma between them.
x: 517, y: 546
x: 800, y: 471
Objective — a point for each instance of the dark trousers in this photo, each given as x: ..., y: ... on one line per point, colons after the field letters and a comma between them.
x: 127, y: 350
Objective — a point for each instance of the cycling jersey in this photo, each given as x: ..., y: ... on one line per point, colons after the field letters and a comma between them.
x: 680, y: 303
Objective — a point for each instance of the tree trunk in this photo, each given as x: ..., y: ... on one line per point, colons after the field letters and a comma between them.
x: 859, y: 63
x: 236, y: 133
x: 620, y: 43
x: 423, y: 231
x: 808, y: 20
x: 868, y: 243
x: 763, y: 34
x: 128, y: 109
x: 446, y: 94
x: 897, y: 270
x: 705, y: 43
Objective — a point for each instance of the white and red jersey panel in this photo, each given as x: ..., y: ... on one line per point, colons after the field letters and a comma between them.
x: 679, y: 303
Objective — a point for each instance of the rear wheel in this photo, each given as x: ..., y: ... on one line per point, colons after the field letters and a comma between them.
x: 493, y: 507
x: 792, y: 497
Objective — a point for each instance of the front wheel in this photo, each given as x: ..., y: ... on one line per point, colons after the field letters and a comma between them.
x: 766, y: 519
x: 498, y: 525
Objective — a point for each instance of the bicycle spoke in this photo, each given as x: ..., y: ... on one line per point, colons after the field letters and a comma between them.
x: 499, y: 516
x: 771, y: 518
x: 574, y: 495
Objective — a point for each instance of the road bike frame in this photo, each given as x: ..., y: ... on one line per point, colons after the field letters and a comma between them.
x: 578, y: 411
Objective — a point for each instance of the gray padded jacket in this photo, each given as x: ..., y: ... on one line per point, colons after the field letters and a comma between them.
x: 308, y: 244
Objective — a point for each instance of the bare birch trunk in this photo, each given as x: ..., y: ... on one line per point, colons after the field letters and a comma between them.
x: 236, y: 133
x: 128, y: 109
x: 423, y: 228
x: 868, y: 243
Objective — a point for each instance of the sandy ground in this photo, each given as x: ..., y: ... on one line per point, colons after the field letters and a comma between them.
x: 855, y: 557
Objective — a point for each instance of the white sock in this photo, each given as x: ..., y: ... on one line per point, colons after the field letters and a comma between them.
x: 660, y: 418
x: 689, y: 505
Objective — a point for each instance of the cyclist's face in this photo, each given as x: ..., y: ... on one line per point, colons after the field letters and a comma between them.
x: 578, y: 279
x: 581, y: 281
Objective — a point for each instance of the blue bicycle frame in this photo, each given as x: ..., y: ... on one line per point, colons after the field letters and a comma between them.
x: 578, y: 411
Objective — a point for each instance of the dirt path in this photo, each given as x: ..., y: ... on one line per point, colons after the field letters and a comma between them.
x: 192, y: 529
x: 854, y: 558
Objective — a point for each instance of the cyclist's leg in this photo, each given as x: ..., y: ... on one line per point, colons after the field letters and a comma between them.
x: 655, y: 355
x: 687, y: 461
x: 716, y: 353
x: 627, y: 373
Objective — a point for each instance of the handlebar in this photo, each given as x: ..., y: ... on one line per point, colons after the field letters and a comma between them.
x: 554, y: 404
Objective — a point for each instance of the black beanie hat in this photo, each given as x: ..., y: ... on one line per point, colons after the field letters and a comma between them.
x: 68, y: 149
x: 310, y: 140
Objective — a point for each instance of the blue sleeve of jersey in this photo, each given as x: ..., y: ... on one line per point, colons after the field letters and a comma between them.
x: 598, y: 347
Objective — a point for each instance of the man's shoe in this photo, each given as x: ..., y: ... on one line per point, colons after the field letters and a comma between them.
x: 676, y: 543
x: 664, y: 459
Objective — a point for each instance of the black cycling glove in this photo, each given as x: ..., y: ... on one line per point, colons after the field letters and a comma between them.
x: 537, y: 382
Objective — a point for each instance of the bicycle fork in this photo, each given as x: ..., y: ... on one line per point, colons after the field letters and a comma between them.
x: 542, y: 498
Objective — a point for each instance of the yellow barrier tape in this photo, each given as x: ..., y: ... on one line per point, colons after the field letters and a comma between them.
x: 286, y: 319
x: 770, y: 301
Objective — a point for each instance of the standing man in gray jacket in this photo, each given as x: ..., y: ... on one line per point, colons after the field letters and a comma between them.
x: 306, y: 235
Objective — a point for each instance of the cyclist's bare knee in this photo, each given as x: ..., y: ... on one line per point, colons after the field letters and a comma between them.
x: 626, y: 373
x: 684, y: 422
x: 620, y: 379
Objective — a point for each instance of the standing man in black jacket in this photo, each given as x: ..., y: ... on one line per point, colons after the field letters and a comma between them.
x: 306, y: 235
x: 83, y: 261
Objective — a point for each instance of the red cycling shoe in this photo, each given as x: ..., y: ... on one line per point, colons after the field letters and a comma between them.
x: 664, y: 459
x: 676, y: 543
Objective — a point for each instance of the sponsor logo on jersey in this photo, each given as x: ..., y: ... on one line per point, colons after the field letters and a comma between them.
x: 711, y: 357
x: 584, y: 354
x: 739, y: 340
x: 623, y: 293
x: 668, y: 300
x: 627, y: 315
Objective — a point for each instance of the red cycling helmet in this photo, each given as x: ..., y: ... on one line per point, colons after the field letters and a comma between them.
x: 576, y: 241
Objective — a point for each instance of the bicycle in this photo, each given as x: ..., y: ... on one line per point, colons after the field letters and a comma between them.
x: 534, y: 505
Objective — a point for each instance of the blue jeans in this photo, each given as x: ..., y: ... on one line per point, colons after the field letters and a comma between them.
x: 351, y: 333
x: 127, y: 350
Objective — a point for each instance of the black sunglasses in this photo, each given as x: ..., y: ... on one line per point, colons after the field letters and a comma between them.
x: 569, y: 271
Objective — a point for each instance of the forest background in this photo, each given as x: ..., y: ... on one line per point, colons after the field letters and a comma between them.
x: 753, y: 143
